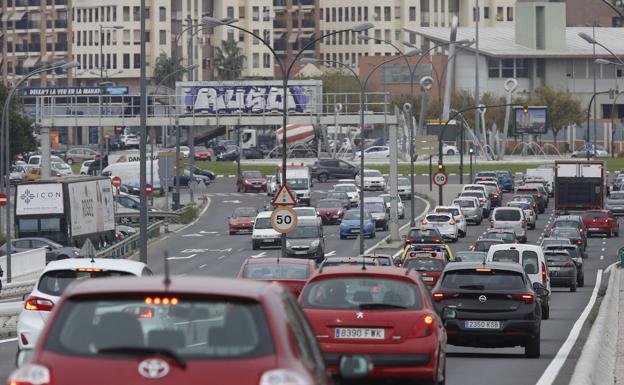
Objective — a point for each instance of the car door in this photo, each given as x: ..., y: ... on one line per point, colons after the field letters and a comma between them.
x: 345, y: 170
x: 332, y: 167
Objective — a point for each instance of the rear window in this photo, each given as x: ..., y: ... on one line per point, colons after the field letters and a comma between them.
x: 423, y: 233
x: 275, y: 271
x: 572, y: 251
x: 474, y: 188
x: 616, y: 195
x: 565, y: 232
x: 191, y: 328
x: 375, y: 207
x: 56, y: 281
x: 506, y: 256
x: 558, y: 257
x: 595, y: 215
x: 422, y: 264
x: 452, y: 211
x: 462, y: 203
x: 507, y: 215
x: 565, y: 224
x: 484, y: 245
x: 361, y: 293
x: 530, y: 262
x: 438, y: 218
x: 492, y: 279
x: 506, y: 237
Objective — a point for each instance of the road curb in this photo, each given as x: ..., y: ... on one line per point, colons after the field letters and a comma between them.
x: 596, y: 365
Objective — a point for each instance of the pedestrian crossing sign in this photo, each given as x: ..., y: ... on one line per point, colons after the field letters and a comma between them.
x: 284, y: 197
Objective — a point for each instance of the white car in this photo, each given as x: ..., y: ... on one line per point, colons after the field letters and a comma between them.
x: 388, y: 199
x: 263, y: 233
x: 460, y: 220
x: 62, y: 168
x: 84, y: 168
x: 404, y: 187
x: 56, y: 276
x: 352, y: 192
x: 375, y: 152
x: 308, y: 213
x: 444, y: 222
x: 449, y: 149
x: 185, y: 151
x: 272, y: 186
x: 510, y: 218
x: 373, y: 180
x: 129, y: 140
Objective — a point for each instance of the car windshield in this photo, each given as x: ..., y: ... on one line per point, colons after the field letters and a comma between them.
x: 375, y: 207
x: 557, y: 257
x: 372, y: 174
x: 507, y: 215
x: 346, y: 188
x: 54, y: 282
x: 329, y: 204
x: 245, y: 212
x: 353, y: 215
x: 297, y: 183
x: 467, y: 256
x: 424, y: 264
x: 252, y: 175
x: 181, y: 328
x: 417, y: 233
x: 403, y: 182
x: 281, y: 270
x: 475, y: 194
x: 483, y: 279
x: 386, y: 198
x: 361, y: 293
x: 565, y: 232
x: 262, y: 223
x: 60, y: 166
x: 336, y: 195
x: 301, y: 232
x: 596, y: 215
x: 474, y: 188
x: 573, y: 251
x: 616, y: 195
x: 506, y: 256
x: 464, y: 203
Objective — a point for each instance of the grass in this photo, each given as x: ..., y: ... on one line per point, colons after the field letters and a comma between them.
x: 188, y: 215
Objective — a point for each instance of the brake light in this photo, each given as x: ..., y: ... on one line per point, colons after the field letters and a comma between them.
x: 38, y: 304
x: 440, y: 295
x: 90, y: 270
x: 482, y: 200
x: 606, y: 221
x: 483, y: 270
x: 569, y: 264
x: 494, y: 196
x: 539, y: 195
x: 424, y: 222
x: 30, y: 374
x: 526, y: 298
x: 24, y: 339
x: 579, y: 242
x: 437, y: 240
x: 544, y: 275
x: 451, y: 222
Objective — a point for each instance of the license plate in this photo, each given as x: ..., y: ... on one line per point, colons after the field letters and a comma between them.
x: 554, y: 268
x: 427, y: 279
x: 301, y: 252
x: 267, y: 241
x: 360, y: 333
x: 482, y: 324
x: 594, y: 229
x: 354, y: 231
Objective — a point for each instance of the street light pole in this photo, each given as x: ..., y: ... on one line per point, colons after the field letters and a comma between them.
x: 142, y: 143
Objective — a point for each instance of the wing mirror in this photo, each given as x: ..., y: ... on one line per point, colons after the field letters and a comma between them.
x: 540, y: 290
x: 354, y: 366
x: 448, y: 314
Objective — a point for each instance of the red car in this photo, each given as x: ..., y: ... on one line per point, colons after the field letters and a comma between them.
x: 330, y: 211
x: 429, y: 268
x: 242, y: 220
x: 601, y: 222
x: 379, y: 311
x: 251, y: 181
x: 203, y: 153
x: 190, y: 330
x: 290, y: 272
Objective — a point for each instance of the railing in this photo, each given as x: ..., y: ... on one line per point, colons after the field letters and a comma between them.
x: 130, y: 244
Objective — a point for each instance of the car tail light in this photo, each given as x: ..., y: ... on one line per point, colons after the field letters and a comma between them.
x: 495, y: 196
x: 544, y: 275
x: 539, y: 195
x: 526, y: 298
x: 30, y: 374
x: 23, y: 339
x: 38, y: 304
x: 424, y: 222
x: 579, y: 242
x: 282, y: 377
x: 422, y: 328
x: 451, y: 222
x: 440, y: 295
x: 437, y: 240
x: 482, y: 200
x: 569, y: 264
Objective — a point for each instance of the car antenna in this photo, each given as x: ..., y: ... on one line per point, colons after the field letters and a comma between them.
x: 167, y: 280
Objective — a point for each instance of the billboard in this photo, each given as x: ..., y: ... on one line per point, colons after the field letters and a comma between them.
x: 36, y: 199
x: 91, y: 207
x: 76, y: 91
x: 451, y: 132
x: 251, y: 97
x: 530, y: 120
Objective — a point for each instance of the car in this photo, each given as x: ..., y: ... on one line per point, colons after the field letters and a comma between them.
x: 494, y: 192
x: 615, y: 202
x: 135, y: 330
x: 460, y: 220
x: 18, y: 174
x: 373, y: 181
x: 475, y: 187
x: 290, y: 272
x: 490, y: 305
x: 575, y: 221
x: 251, y: 181
x: 470, y: 256
x: 404, y: 188
x: 54, y: 251
x: 444, y: 222
x: 484, y: 244
x: 537, y: 193
x: 54, y: 280
x: 129, y: 140
x: 263, y: 233
x: 506, y: 180
x: 577, y: 257
x: 530, y: 199
x: 79, y: 155
x: 350, y: 225
x: 470, y: 208
x: 342, y: 196
x: 356, y: 261
x: 242, y: 220
x: 352, y: 192
x: 84, y: 167
x: 529, y: 214
x: 572, y: 233
x: 596, y: 151
x: 306, y: 240
x: 429, y: 268
x: 542, y: 187
x: 381, y: 259
x: 374, y: 152
x: 325, y: 169
x: 601, y: 222
x: 423, y: 236
x: 373, y: 306
x: 229, y: 152
x: 129, y: 201
x: 548, y: 188
x: 411, y: 251
x: 510, y: 218
x: 554, y: 241
x: 449, y: 149
x: 484, y: 202
x: 203, y: 153
x: 400, y: 206
x: 308, y: 212
x: 531, y: 258
x: 62, y: 168
x: 252, y: 153
x: 200, y: 171
x: 330, y: 211
x: 505, y: 235
x: 377, y: 208
x: 561, y: 268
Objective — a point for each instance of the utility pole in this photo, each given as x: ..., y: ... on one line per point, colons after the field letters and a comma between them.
x: 394, y: 189
x: 477, y: 17
x: 143, y: 143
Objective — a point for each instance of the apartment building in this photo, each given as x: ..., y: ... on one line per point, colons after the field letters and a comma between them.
x: 34, y: 33
x: 493, y: 13
x: 296, y: 24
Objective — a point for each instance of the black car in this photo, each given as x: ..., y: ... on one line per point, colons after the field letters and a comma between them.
x: 252, y: 153
x: 490, y: 305
x: 229, y: 153
x: 571, y: 233
x: 198, y: 171
x: 561, y: 269
x: 418, y: 235
x: 577, y: 257
x: 324, y: 169
x: 54, y: 251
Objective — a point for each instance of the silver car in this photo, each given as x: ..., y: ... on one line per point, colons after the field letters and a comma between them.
x: 615, y: 203
x: 471, y: 209
x: 306, y: 240
x: 377, y: 208
x: 404, y: 188
x: 529, y: 214
x: 510, y: 218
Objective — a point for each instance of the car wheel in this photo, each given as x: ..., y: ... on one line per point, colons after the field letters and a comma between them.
x: 462, y: 234
x: 402, y: 216
x: 372, y: 235
x: 545, y: 312
x: 255, y: 245
x: 322, y: 178
x: 450, y: 152
x: 70, y: 161
x: 573, y: 287
x: 573, y: 156
x: 238, y: 188
x: 532, y: 348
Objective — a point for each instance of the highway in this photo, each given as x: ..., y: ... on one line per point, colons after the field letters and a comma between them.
x: 205, y: 248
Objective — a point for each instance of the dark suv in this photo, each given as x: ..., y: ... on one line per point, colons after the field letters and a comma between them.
x: 490, y: 305
x: 324, y: 169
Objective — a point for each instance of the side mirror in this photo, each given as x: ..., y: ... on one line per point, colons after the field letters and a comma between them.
x: 540, y: 290
x: 354, y: 366
x: 448, y: 314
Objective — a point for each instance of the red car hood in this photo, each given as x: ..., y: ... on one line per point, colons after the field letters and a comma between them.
x: 256, y: 180
x: 294, y: 285
x: 331, y: 211
x: 241, y: 221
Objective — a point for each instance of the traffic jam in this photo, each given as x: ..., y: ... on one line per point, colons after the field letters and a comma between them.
x: 479, y: 271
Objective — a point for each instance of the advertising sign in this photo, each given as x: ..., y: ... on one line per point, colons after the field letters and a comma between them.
x: 451, y: 132
x: 91, y: 207
x: 530, y: 120
x: 36, y: 199
x: 77, y: 91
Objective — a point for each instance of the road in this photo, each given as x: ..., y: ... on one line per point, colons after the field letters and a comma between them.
x: 205, y: 248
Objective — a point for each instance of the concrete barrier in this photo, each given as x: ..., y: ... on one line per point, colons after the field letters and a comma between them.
x: 26, y: 265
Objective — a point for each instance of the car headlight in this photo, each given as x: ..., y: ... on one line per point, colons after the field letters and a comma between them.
x: 314, y: 244
x: 288, y: 244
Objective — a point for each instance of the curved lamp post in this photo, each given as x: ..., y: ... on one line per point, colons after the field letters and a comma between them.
x: 617, y: 95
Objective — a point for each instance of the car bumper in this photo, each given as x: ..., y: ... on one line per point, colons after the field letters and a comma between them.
x: 473, y: 217
x: 593, y: 229
x: 241, y: 229
x: 305, y: 254
x: 255, y: 187
x: 268, y: 241
x: 349, y: 233
x: 567, y: 280
x: 512, y: 333
x: 374, y: 186
x: 29, y: 324
x: 330, y: 219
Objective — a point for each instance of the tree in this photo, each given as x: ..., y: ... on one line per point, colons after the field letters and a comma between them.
x: 229, y: 60
x: 20, y: 126
x: 166, y: 65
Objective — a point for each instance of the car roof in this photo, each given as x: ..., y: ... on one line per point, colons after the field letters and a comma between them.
x: 266, y: 260
x: 556, y: 239
x: 373, y: 199
x: 126, y: 265
x: 344, y: 184
x: 516, y: 267
x: 495, y: 240
x: 386, y: 271
x: 516, y: 246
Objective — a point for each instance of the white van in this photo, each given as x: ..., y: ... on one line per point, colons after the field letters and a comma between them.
x: 531, y: 257
x: 129, y: 173
x: 263, y: 233
x: 298, y: 180
x: 35, y: 160
x: 510, y: 218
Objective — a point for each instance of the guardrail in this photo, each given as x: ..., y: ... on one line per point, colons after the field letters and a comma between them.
x: 130, y: 244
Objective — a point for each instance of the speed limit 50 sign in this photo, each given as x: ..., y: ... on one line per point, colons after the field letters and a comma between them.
x: 283, y: 219
x: 440, y: 178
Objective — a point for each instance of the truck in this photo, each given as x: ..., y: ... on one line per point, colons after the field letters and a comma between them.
x: 67, y: 210
x: 579, y: 185
x: 298, y: 180
x: 547, y: 174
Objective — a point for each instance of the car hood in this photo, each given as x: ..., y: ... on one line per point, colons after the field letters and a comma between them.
x: 329, y: 211
x: 301, y: 242
x: 241, y: 220
x: 354, y: 223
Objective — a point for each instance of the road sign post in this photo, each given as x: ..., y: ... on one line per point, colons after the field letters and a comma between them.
x: 283, y: 219
x: 284, y: 197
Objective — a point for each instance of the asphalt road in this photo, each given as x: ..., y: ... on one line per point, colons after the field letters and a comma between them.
x: 205, y: 248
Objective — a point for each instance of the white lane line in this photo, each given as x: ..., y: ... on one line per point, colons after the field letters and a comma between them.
x: 331, y: 253
x: 601, y: 257
x: 262, y: 254
x: 602, y: 249
x: 241, y: 249
x: 220, y: 176
x: 202, y: 266
x: 185, y: 257
x: 221, y: 257
x: 8, y: 340
x: 550, y: 374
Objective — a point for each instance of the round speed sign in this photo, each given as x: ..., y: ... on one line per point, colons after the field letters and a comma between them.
x: 283, y: 219
x: 440, y: 178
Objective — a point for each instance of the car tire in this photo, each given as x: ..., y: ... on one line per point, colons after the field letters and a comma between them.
x: 573, y: 287
x: 320, y: 256
x: 462, y: 234
x: 436, y: 380
x: 70, y: 161
x: 450, y: 152
x: 373, y: 235
x: 581, y: 281
x: 545, y: 312
x: 532, y: 348
x: 322, y: 177
x: 255, y: 245
x: 238, y: 188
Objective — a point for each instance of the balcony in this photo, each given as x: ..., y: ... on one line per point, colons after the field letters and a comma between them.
x: 60, y: 2
x: 17, y: 48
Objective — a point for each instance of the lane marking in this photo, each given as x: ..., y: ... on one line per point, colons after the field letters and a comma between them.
x: 602, y: 249
x: 331, y: 253
x: 221, y: 257
x: 202, y: 266
x: 185, y: 257
x: 601, y: 257
x: 551, y: 372
x: 262, y: 254
x: 241, y: 249
x: 8, y: 340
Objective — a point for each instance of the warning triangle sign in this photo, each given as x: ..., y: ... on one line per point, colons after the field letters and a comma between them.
x: 284, y: 197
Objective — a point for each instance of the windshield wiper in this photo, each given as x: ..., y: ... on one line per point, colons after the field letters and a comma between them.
x: 144, y: 351
x: 472, y: 287
x: 368, y: 306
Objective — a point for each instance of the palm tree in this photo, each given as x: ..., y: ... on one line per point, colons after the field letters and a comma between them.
x: 166, y: 65
x: 229, y: 60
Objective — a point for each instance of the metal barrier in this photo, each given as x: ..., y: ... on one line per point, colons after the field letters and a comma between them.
x: 127, y: 246
x: 25, y: 265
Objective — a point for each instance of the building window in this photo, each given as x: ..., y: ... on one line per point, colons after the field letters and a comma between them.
x: 230, y: 35
x: 230, y: 12
x: 241, y: 12
x: 137, y: 60
x: 256, y: 32
x: 493, y: 68
x: 353, y: 15
x: 388, y: 35
x: 359, y: 13
x: 90, y: 15
x: 322, y: 14
x: 114, y: 13
x: 509, y: 13
x: 499, y: 14
x: 377, y: 36
x: 507, y: 68
x: 162, y: 37
x: 137, y: 37
x: 255, y: 13
x: 412, y: 13
x: 339, y: 14
x: 126, y: 13
x: 255, y: 60
x: 136, y: 12
x: 522, y: 68
x: 126, y: 61
x: 387, y: 13
x: 126, y: 37
x: 424, y: 13
x: 579, y: 69
x: 397, y: 34
x: 266, y: 35
x: 486, y: 12
x: 266, y: 14
x: 397, y: 12
x: 162, y: 14
x: 365, y: 13
x: 241, y: 37
x: 266, y: 60
x: 377, y: 14
x: 114, y: 61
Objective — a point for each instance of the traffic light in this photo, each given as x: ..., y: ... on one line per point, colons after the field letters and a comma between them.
x: 440, y: 168
x: 525, y: 108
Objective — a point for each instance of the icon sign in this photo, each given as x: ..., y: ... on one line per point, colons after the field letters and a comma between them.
x: 116, y: 181
x: 148, y: 189
x: 440, y: 178
x: 3, y: 200
x: 284, y: 197
x: 283, y: 219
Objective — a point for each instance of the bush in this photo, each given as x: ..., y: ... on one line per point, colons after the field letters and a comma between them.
x: 189, y: 215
